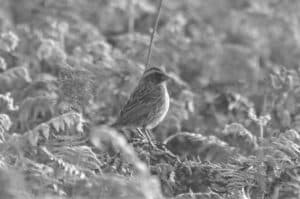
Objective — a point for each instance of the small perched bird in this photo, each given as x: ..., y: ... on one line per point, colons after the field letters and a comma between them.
x: 148, y: 104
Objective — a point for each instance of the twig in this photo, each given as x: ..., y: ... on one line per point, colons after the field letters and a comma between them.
x: 153, y: 33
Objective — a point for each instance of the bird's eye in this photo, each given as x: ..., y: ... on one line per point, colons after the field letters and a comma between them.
x: 161, y: 77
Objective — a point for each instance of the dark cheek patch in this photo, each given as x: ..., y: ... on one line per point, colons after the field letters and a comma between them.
x: 156, y: 77
x: 159, y: 78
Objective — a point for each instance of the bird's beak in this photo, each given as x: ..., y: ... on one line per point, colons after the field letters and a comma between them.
x: 167, y: 77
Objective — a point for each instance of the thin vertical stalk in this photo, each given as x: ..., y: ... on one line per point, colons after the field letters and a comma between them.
x: 260, y: 157
x: 131, y: 4
x: 153, y: 33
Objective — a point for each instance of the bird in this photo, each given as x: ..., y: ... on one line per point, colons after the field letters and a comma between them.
x: 148, y: 104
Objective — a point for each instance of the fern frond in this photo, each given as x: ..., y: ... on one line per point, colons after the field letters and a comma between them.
x: 292, y: 135
x: 44, y: 84
x: 14, y: 78
x: 3, y: 65
x: 208, y: 148
x: 5, y: 122
x: 222, y: 179
x: 237, y: 135
x: 34, y: 109
x: 3, y: 162
x: 81, y: 156
x: 60, y: 123
x: 8, y: 41
x: 69, y: 169
x: 104, y: 135
x: 8, y: 102
x: 34, y: 135
x: 193, y: 195
x: 67, y: 120
x: 51, y: 51
x: 291, y: 149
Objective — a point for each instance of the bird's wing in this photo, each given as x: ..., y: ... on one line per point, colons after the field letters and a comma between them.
x: 137, y: 116
x: 139, y: 104
x: 141, y: 95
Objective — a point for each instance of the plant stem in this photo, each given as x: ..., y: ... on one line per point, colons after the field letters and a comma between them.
x: 153, y: 33
x: 260, y: 157
x: 130, y: 27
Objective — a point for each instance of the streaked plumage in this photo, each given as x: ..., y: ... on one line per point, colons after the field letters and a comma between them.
x: 149, y: 102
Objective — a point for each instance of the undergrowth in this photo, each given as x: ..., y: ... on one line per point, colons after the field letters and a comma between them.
x: 232, y: 131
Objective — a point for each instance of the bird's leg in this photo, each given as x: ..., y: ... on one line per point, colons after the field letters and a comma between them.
x: 140, y: 132
x: 149, y: 138
x: 145, y: 134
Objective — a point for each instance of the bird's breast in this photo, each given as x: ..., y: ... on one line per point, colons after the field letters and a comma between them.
x: 162, y: 106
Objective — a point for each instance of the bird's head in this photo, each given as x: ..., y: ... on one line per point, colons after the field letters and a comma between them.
x: 155, y: 75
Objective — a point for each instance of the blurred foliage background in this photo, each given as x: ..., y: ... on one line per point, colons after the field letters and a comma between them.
x: 68, y: 66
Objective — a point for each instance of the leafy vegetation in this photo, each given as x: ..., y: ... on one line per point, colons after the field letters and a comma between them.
x: 68, y: 66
